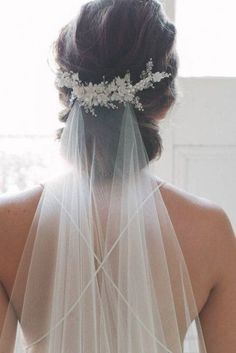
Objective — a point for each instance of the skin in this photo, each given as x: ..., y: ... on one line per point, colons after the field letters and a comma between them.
x: 206, y: 238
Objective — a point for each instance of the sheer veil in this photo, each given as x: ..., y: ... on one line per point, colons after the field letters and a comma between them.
x: 102, y: 270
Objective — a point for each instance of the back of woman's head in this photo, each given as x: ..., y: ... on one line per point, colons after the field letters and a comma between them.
x: 109, y: 37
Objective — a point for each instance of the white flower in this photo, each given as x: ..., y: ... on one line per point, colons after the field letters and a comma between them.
x: 79, y: 91
x: 115, y: 96
x: 119, y: 89
x: 111, y: 87
x: 75, y: 77
x: 120, y: 83
x: 158, y: 76
x: 63, y: 80
x: 98, y: 88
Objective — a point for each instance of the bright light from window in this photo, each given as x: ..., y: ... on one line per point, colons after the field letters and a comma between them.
x: 29, y: 100
x: 206, y: 37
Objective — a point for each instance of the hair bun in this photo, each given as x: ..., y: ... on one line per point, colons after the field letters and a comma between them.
x: 110, y: 37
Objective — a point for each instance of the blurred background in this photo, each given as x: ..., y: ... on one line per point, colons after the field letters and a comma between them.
x: 199, y: 134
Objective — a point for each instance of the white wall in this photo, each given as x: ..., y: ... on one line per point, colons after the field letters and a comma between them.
x: 199, y: 137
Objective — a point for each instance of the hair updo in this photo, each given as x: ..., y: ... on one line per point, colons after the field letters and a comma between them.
x: 109, y: 37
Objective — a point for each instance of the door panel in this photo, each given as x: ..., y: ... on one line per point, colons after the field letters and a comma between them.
x: 199, y: 138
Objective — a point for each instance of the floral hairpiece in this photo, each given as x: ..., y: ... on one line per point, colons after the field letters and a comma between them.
x: 120, y: 90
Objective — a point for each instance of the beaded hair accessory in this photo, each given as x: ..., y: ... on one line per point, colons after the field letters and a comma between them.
x: 106, y: 93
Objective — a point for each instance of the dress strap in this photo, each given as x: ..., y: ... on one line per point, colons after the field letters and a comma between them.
x: 162, y: 184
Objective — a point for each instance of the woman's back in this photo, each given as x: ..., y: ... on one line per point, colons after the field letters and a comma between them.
x: 103, y: 264
x: 204, y: 235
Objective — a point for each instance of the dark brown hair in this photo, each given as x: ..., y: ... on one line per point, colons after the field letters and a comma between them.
x: 109, y: 37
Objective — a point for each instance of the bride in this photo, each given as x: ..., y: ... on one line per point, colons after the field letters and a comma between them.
x: 106, y: 257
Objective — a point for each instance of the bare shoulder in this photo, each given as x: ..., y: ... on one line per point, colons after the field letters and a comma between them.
x: 190, y: 210
x: 206, y: 236
x: 18, y: 207
x: 202, y: 222
x: 16, y: 215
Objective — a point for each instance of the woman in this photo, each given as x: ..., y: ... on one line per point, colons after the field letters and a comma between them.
x: 106, y: 257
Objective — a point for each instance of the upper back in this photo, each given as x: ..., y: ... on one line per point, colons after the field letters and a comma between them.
x: 16, y: 216
x: 194, y: 219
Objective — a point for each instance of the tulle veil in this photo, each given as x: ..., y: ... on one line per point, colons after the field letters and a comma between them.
x: 102, y: 270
